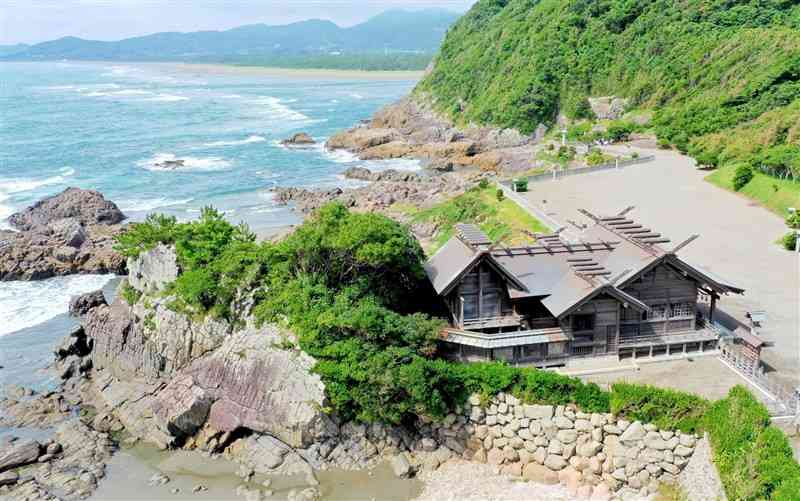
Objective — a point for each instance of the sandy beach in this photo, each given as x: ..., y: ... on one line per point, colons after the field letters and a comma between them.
x: 204, y: 69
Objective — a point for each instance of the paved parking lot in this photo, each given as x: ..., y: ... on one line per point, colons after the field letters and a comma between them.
x: 737, y: 237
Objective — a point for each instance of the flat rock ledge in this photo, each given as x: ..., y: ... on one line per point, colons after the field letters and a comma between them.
x: 72, y: 232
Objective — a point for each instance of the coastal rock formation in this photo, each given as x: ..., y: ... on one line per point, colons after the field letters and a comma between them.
x: 66, y: 468
x: 247, y: 383
x: 410, y: 128
x: 86, y: 207
x: 154, y: 269
x: 300, y: 139
x: 247, y: 392
x: 72, y: 232
x: 386, y: 189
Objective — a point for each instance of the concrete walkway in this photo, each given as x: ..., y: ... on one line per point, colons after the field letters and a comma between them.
x: 737, y: 237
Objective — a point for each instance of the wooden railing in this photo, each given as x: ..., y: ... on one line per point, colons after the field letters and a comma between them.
x: 489, y: 322
x: 785, y: 400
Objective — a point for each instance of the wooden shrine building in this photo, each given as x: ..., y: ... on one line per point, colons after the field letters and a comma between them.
x: 617, y: 292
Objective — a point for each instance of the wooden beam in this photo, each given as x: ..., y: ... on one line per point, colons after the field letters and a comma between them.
x: 626, y: 210
x: 633, y: 233
x: 684, y: 244
x: 657, y: 241
x: 647, y: 235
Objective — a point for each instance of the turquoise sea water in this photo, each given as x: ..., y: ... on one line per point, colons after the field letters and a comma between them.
x: 104, y: 126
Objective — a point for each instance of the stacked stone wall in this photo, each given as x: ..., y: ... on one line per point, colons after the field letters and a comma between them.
x: 594, y: 454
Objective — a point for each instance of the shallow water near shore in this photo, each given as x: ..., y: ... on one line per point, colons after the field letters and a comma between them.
x: 129, y: 471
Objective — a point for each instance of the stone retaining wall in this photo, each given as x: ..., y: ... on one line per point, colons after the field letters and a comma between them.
x: 593, y: 454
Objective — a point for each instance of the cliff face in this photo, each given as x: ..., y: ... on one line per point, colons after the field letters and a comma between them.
x: 167, y: 375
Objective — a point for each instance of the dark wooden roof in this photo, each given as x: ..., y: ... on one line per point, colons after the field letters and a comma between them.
x: 611, y: 254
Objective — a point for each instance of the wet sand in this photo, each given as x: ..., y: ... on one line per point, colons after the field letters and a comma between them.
x: 129, y: 471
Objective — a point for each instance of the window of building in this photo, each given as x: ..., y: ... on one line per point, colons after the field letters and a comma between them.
x: 470, y: 305
x: 556, y: 349
x: 682, y: 310
x: 658, y: 312
x: 583, y: 322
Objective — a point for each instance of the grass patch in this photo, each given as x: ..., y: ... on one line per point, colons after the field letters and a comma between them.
x: 775, y: 194
x: 480, y: 205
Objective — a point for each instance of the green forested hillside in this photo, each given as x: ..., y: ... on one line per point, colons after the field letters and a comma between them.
x: 705, y: 67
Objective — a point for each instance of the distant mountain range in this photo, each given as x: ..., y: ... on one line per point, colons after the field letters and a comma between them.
x: 395, y: 31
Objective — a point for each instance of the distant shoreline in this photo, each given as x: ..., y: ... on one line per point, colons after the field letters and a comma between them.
x: 234, y: 69
x: 221, y: 69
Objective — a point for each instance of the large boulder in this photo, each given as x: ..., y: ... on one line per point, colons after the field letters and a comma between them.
x: 88, y: 207
x: 154, y: 269
x: 72, y: 232
x: 299, y: 139
x: 19, y: 453
x: 83, y: 304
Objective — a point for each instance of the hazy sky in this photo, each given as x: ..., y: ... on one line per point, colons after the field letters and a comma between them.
x: 32, y: 21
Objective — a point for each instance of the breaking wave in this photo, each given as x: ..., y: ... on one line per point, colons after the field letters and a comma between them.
x: 189, y: 163
x: 249, y: 140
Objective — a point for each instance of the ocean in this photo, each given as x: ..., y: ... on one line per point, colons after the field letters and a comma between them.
x: 107, y: 127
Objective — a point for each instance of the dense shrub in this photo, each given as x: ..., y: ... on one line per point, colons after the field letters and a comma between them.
x: 668, y: 409
x: 742, y: 176
x: 754, y: 460
x: 789, y: 241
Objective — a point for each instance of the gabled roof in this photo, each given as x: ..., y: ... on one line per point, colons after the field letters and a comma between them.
x: 612, y: 254
x: 455, y: 259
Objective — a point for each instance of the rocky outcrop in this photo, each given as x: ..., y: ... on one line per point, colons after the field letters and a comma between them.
x: 72, y: 232
x: 410, y: 128
x: 153, y: 270
x: 83, y: 304
x: 84, y: 207
x: 250, y: 383
x: 387, y: 189
x: 66, y: 468
x: 19, y: 453
x: 608, y: 107
x: 301, y: 139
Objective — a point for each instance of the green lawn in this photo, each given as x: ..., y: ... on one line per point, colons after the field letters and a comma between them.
x: 775, y: 194
x: 498, y: 218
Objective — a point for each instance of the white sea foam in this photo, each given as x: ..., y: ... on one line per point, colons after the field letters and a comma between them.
x: 275, y: 108
x: 189, y: 163
x: 167, y: 98
x: 26, y: 304
x: 340, y: 156
x: 230, y: 96
x: 249, y: 140
x: 149, y: 204
x: 356, y: 95
x: 131, y: 92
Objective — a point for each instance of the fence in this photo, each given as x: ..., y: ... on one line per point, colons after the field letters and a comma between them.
x: 557, y: 174
x: 785, y: 401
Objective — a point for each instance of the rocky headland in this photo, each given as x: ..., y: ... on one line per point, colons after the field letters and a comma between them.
x: 72, y: 232
x: 146, y: 372
x: 411, y: 129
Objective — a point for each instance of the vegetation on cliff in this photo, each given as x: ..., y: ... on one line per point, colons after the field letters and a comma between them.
x: 722, y: 77
x: 352, y: 288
